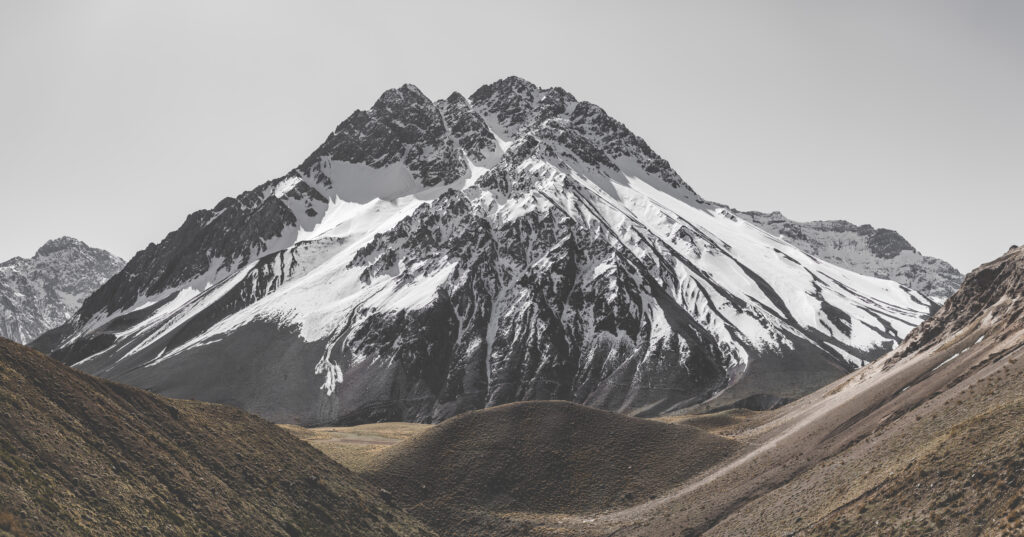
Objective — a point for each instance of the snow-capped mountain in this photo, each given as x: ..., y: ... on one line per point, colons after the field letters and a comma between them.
x: 882, y: 253
x: 432, y: 257
x: 43, y: 292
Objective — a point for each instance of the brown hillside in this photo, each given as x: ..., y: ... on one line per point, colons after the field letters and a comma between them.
x: 964, y: 472
x: 541, y: 457
x: 968, y: 482
x: 82, y: 456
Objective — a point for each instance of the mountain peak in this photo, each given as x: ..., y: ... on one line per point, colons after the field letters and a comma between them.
x: 457, y: 98
x: 403, y: 126
x: 514, y: 82
x: 511, y: 88
x: 58, y: 244
x: 404, y: 94
x: 887, y: 243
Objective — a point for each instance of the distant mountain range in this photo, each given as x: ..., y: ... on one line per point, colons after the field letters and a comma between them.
x: 882, y: 253
x: 433, y: 257
x: 44, y: 291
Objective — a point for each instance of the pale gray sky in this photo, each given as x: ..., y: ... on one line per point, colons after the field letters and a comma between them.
x: 117, y: 119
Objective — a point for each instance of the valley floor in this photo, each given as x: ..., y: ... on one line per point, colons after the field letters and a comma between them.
x: 665, y: 451
x: 354, y: 447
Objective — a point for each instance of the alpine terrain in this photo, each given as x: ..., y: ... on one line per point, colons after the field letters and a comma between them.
x: 883, y: 253
x: 925, y: 441
x: 43, y: 292
x: 435, y: 257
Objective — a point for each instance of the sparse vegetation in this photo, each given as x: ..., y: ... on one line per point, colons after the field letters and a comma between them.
x: 83, y: 456
x: 354, y: 447
x: 9, y: 523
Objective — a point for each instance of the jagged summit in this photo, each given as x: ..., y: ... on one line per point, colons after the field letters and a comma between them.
x: 434, y: 140
x: 456, y: 98
x: 512, y: 105
x: 510, y: 85
x: 394, y: 100
x: 433, y: 257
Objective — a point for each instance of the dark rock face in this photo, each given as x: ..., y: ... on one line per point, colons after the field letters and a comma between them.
x: 43, y: 292
x: 514, y: 103
x: 436, y: 257
x: 882, y: 253
x: 886, y: 243
x: 403, y: 126
x: 994, y: 290
x: 468, y: 128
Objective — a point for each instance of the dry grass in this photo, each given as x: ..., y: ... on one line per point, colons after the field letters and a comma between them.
x: 9, y: 524
x: 967, y: 481
x: 726, y: 422
x: 355, y: 447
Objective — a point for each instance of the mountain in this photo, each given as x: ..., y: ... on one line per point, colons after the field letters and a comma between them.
x: 84, y: 456
x: 435, y: 257
x: 882, y: 253
x: 43, y: 292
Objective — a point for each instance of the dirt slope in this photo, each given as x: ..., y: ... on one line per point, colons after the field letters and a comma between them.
x: 81, y: 456
x: 966, y: 482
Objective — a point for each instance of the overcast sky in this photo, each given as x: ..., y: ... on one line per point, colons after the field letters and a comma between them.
x: 117, y: 119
